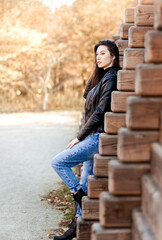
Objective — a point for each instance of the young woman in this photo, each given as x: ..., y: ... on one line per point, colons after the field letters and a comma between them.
x: 82, y: 149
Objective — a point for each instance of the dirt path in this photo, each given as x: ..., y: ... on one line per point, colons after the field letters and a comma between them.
x: 27, y: 144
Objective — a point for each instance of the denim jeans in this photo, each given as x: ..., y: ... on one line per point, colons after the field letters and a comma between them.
x: 79, y: 153
x: 86, y: 171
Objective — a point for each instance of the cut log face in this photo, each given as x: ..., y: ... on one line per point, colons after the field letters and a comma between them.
x: 153, y: 45
x: 151, y: 205
x: 125, y: 179
x: 121, y: 61
x: 124, y: 30
x: 96, y: 186
x: 146, y: 2
x: 132, y: 57
x: 84, y: 229
x: 115, y: 37
x: 100, y: 233
x: 119, y: 99
x: 129, y: 14
x: 126, y: 80
x: 136, y: 36
x: 158, y: 15
x: 122, y: 45
x: 141, y: 229
x: 100, y: 166
x: 79, y: 169
x: 90, y: 209
x: 161, y: 127
x: 156, y: 163
x: 116, y: 211
x: 108, y: 144
x: 135, y: 146
x: 143, y: 113
x: 113, y: 122
x: 144, y: 15
x: 148, y: 80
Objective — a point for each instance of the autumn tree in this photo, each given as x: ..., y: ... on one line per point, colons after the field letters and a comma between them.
x: 42, y: 52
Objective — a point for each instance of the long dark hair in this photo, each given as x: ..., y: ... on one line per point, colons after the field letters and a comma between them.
x: 113, y: 49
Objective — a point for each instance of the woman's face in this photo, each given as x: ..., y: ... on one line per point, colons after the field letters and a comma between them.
x: 103, y: 57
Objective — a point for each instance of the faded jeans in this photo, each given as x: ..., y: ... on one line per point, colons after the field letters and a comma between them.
x: 79, y: 153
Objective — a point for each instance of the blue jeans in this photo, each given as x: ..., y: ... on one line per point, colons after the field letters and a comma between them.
x: 80, y: 152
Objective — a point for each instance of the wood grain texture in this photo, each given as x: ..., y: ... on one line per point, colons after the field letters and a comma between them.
x: 121, y: 61
x: 146, y: 2
x: 132, y: 57
x: 153, y: 51
x: 126, y: 80
x: 148, y: 80
x: 115, y: 37
x: 136, y: 36
x: 143, y: 113
x: 79, y: 169
x: 107, y: 144
x: 100, y: 165
x: 125, y: 179
x: 84, y: 229
x: 144, y: 15
x: 100, y: 233
x: 158, y: 15
x: 161, y: 127
x: 116, y: 211
x: 113, y: 122
x: 124, y: 30
x: 151, y: 205
x: 156, y: 163
x: 135, y: 146
x: 141, y: 229
x: 90, y: 209
x: 96, y: 186
x: 122, y: 45
x: 118, y: 101
x: 129, y: 14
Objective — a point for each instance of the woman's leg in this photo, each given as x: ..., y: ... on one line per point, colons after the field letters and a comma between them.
x: 87, y: 170
x: 81, y: 152
x: 62, y: 163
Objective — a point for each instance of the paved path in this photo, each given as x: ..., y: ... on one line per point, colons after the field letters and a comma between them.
x: 27, y: 144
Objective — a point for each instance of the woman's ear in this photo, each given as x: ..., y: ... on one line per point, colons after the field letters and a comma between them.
x: 113, y: 59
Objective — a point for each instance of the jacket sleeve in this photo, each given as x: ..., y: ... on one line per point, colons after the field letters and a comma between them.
x: 104, y: 105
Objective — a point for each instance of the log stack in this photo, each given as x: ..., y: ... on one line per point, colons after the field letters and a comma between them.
x: 114, y: 208
x: 147, y: 219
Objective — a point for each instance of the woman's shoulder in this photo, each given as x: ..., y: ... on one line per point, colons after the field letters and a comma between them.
x: 110, y: 75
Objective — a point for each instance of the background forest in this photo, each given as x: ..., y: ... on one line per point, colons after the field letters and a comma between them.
x: 47, y: 57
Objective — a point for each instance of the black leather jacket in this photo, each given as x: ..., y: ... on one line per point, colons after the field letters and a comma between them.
x: 98, y: 101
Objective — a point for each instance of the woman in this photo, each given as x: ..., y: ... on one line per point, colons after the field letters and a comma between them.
x: 82, y: 149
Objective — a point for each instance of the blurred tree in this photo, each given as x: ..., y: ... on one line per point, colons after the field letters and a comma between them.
x: 42, y: 51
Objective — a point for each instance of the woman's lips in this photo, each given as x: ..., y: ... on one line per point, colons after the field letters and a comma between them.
x: 99, y: 62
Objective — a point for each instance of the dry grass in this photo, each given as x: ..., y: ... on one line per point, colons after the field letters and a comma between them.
x: 62, y: 200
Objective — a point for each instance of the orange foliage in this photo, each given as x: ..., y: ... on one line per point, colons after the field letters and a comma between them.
x: 44, y: 52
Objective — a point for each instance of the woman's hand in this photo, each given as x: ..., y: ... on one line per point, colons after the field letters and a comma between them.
x: 72, y: 143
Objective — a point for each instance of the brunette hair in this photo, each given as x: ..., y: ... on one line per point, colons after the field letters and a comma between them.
x: 113, y: 49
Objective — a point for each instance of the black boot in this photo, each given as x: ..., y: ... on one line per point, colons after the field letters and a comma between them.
x: 78, y: 196
x: 69, y: 234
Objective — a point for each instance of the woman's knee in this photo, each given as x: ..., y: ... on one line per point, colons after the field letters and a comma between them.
x: 59, y: 160
x: 53, y: 162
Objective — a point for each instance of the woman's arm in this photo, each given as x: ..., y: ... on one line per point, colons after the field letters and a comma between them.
x: 104, y: 103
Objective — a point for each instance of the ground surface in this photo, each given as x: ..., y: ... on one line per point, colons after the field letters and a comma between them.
x: 28, y: 141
